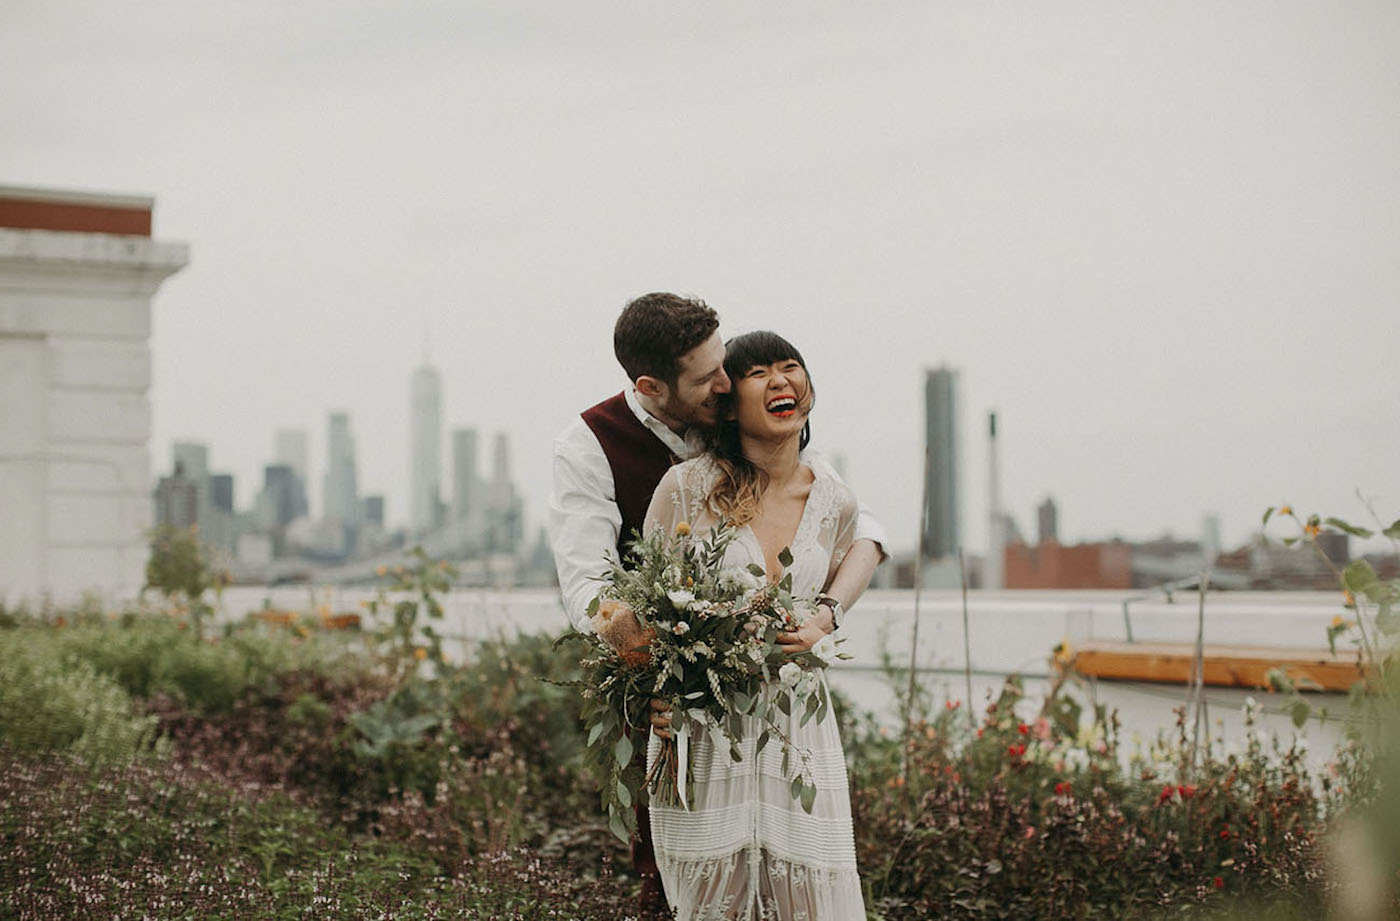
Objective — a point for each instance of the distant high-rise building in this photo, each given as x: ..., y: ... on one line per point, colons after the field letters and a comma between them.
x: 425, y: 476
x: 464, y: 482
x: 291, y: 451
x: 941, y: 532
x: 221, y: 492
x: 372, y: 510
x: 341, y: 493
x: 282, y: 499
x: 177, y: 500
x: 504, y: 522
x: 193, y: 459
x: 1047, y: 519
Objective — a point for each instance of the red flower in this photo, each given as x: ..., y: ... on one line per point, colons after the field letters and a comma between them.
x: 1225, y: 833
x: 1064, y: 787
x: 1167, y: 792
x: 1218, y: 883
x: 953, y: 704
x: 1186, y: 792
x: 1023, y: 729
x: 1016, y: 751
x: 979, y: 733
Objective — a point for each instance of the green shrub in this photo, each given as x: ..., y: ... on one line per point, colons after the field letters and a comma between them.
x: 153, y: 654
x: 51, y: 705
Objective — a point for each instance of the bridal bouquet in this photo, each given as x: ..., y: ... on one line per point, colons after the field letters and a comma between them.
x: 680, y: 627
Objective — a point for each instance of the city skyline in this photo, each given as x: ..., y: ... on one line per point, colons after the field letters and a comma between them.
x: 1160, y: 243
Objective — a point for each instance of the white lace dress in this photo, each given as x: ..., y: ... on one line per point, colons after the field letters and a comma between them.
x: 746, y: 850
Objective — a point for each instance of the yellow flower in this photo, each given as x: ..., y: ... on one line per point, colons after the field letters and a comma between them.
x: 1348, y: 600
x: 1312, y: 530
x: 682, y: 528
x: 1286, y: 510
x: 420, y: 653
x: 382, y: 570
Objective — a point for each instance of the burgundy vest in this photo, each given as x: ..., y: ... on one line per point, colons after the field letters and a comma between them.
x: 637, y: 457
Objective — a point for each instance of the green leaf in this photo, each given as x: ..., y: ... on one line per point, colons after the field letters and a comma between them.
x: 1351, y: 529
x: 1387, y: 621
x: 785, y: 556
x: 1290, y: 541
x: 1393, y: 532
x: 1278, y: 680
x: 763, y: 738
x: 742, y: 702
x: 1359, y: 576
x: 785, y: 703
x: 618, y: 827
x: 1300, y: 711
x: 623, y: 750
x: 756, y: 570
x: 624, y: 795
x: 592, y: 607
x: 734, y: 754
x: 796, y: 787
x: 1268, y: 513
x: 595, y: 733
x: 809, y: 797
x: 810, y: 710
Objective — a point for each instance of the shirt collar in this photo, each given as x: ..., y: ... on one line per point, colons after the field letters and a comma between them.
x: 683, y: 448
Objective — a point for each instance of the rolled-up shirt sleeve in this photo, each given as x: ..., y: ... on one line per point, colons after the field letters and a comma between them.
x: 584, y: 521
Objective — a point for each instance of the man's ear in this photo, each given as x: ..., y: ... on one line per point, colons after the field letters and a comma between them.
x: 650, y: 387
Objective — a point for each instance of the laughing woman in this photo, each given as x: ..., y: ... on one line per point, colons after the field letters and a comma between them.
x: 746, y: 851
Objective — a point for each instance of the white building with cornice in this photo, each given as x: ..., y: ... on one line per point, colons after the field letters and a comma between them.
x: 77, y: 274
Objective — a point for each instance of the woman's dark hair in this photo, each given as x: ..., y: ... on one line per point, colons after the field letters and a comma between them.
x: 737, y: 492
x: 655, y: 330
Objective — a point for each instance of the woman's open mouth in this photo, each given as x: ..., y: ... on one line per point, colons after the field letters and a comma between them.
x: 782, y: 406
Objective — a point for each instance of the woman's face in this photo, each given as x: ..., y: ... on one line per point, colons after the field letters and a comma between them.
x: 772, y: 401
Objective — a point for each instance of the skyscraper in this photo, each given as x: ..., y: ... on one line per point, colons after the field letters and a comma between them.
x: 504, y: 507
x: 425, y: 477
x: 1047, y: 519
x: 941, y: 536
x: 464, y: 483
x: 291, y: 451
x: 341, y: 494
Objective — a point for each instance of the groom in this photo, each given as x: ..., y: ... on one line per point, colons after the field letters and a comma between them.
x: 609, y: 460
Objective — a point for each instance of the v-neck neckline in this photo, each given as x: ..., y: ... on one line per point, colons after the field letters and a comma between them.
x: 757, y: 544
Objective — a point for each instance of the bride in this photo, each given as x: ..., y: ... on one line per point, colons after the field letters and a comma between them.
x: 746, y: 850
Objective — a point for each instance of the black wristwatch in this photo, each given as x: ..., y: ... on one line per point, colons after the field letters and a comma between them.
x: 838, y: 610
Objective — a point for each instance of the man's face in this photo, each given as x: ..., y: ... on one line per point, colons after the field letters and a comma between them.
x: 701, y: 379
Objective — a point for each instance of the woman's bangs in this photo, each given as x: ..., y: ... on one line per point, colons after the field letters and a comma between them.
x: 758, y: 349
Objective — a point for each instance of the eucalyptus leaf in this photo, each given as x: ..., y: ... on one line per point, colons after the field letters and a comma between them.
x: 624, y: 795
x: 618, y: 827
x: 1268, y: 513
x: 595, y: 733
x: 763, y: 738
x: 623, y: 750
x: 796, y: 787
x: 1299, y: 711
x: 785, y: 556
x: 809, y: 797
x: 785, y: 703
x: 756, y: 571
x: 1393, y: 532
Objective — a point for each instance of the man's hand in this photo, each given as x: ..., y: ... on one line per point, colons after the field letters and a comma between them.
x: 818, y: 624
x: 661, y: 717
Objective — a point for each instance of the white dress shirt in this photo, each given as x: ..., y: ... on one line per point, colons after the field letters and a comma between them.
x: 584, y: 520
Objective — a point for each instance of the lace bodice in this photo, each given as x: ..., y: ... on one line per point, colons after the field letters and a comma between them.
x: 824, y: 533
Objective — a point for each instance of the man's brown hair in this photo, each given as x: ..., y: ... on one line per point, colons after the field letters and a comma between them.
x: 655, y: 330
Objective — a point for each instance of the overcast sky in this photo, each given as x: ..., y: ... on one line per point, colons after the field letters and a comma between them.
x: 1161, y: 239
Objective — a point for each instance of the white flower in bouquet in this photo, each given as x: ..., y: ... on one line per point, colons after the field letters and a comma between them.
x: 681, y: 598
x: 806, y: 685
x: 825, y: 649
x: 790, y: 674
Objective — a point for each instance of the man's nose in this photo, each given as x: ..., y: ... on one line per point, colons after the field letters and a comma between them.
x: 722, y: 384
